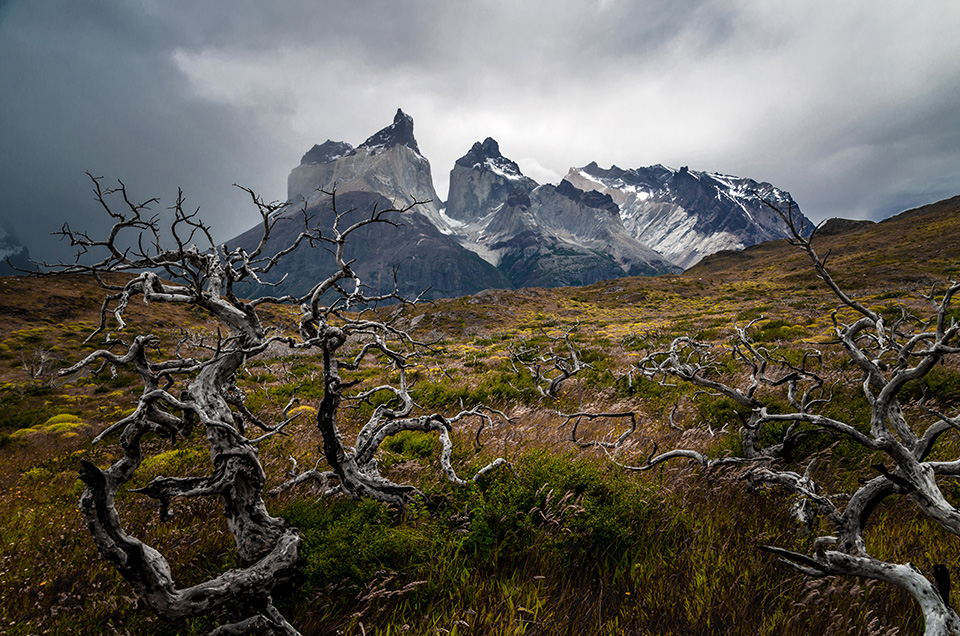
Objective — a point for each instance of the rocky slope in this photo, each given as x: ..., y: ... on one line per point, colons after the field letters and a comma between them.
x: 686, y: 214
x: 547, y: 235
x: 386, y: 170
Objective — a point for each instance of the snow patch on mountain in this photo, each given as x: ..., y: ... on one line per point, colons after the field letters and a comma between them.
x: 593, y: 224
x: 686, y: 214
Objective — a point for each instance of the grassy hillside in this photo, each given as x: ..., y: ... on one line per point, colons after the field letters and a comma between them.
x: 571, y: 544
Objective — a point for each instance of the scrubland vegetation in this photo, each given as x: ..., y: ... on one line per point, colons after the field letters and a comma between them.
x: 571, y: 541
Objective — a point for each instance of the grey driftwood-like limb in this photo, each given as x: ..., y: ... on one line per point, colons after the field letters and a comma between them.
x: 576, y: 418
x: 169, y: 267
x: 888, y: 354
x: 550, y: 368
x: 939, y: 617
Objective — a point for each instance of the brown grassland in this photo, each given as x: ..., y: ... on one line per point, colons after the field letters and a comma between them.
x: 572, y: 544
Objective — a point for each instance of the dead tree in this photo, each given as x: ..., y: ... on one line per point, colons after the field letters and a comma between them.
x: 37, y: 362
x: 549, y: 369
x: 887, y: 356
x: 697, y: 363
x: 329, y: 327
x: 184, y: 393
x: 179, y: 394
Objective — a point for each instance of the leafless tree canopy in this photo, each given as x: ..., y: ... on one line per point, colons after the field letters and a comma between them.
x: 548, y: 367
x: 181, y: 394
x: 887, y: 355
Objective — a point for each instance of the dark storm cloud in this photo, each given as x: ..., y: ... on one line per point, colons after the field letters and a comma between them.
x: 91, y: 87
x: 854, y: 107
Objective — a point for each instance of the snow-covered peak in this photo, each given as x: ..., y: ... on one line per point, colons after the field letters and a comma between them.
x: 686, y: 214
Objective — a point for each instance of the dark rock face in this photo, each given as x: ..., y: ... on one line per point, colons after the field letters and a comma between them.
x: 425, y: 260
x: 590, y: 199
x: 326, y: 152
x: 532, y: 260
x: 482, y: 180
x: 399, y: 133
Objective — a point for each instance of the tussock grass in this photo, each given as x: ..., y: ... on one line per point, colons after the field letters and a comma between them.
x: 573, y: 544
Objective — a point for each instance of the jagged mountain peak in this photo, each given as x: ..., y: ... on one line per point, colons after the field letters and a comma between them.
x: 388, y: 163
x: 518, y: 199
x: 686, y: 214
x: 399, y: 133
x: 486, y: 156
x: 326, y: 152
x: 487, y: 149
x: 483, y: 180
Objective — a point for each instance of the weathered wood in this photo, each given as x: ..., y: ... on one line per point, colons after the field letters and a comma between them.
x: 209, y: 400
x: 268, y: 547
x: 888, y: 356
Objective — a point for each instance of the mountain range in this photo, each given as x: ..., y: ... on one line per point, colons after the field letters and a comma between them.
x: 501, y: 229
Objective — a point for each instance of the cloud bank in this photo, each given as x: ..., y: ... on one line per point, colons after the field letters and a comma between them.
x: 853, y: 107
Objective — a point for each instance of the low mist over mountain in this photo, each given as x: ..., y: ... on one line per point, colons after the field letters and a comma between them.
x: 501, y: 229
x: 13, y: 255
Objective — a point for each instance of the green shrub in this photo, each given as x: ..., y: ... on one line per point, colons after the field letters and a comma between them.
x: 941, y: 384
x: 15, y: 418
x: 106, y: 382
x: 350, y: 542
x: 412, y: 444
x: 775, y: 330
x: 718, y: 411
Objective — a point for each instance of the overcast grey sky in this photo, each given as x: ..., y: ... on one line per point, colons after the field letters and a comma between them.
x: 852, y: 106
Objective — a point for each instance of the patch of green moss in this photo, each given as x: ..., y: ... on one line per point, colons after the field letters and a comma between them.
x: 64, y: 424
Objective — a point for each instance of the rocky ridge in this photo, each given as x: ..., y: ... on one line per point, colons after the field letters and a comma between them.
x: 687, y: 214
x: 500, y: 229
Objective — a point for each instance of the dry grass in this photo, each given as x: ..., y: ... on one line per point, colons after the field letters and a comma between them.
x: 690, y: 565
